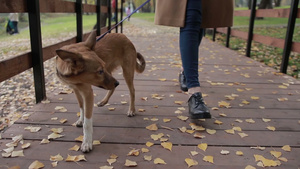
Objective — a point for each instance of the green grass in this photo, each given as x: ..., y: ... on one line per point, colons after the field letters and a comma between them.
x: 55, y: 26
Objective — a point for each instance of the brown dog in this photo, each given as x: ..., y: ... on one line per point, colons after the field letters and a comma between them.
x: 88, y: 63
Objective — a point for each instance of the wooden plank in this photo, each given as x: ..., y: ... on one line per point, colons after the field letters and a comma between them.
x: 57, y: 6
x: 170, y: 111
x: 15, y: 65
x: 104, y: 119
x: 8, y: 6
x: 98, y: 157
x: 126, y: 135
x: 242, y: 13
x: 273, y: 13
x: 270, y: 41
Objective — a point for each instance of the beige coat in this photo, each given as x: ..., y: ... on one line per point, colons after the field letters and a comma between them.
x: 215, y: 13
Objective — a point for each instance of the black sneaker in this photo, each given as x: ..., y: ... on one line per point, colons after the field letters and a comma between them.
x: 197, y: 107
x: 182, y: 82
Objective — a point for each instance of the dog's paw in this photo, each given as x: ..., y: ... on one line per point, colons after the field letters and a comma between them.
x: 102, y: 103
x: 86, y: 147
x: 79, y: 123
x: 130, y: 113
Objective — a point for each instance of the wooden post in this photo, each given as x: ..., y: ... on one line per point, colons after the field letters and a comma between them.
x: 109, y: 14
x: 36, y: 49
x: 289, y: 36
x: 228, y: 36
x: 98, y: 9
x: 251, y: 26
x: 78, y: 8
x: 122, y: 15
x: 116, y: 14
x: 214, y: 34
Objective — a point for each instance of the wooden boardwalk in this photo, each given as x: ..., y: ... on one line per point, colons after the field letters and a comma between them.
x: 258, y: 98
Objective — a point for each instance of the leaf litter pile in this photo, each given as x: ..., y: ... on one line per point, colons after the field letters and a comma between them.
x: 162, y: 133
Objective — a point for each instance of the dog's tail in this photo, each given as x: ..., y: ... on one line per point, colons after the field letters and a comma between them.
x: 140, y: 64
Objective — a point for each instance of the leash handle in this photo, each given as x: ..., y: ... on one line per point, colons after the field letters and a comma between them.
x: 100, y: 37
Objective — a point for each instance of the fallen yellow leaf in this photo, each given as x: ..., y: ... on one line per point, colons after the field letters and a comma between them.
x: 152, y: 127
x: 58, y: 157
x: 224, y: 104
x: 242, y: 135
x: 224, y: 152
x: 218, y: 122
x: 254, y: 98
x: 134, y: 152
x: 147, y: 158
x: 19, y: 153
x: 159, y: 161
x: 106, y: 167
x: 166, y: 120
x: 191, y: 162
x: 145, y: 150
x: 230, y: 131
x: 209, y: 159
x: 74, y: 148
x: 149, y: 144
x: 182, y: 129
x: 271, y: 128
x: 266, y: 120
x: 250, y: 121
x: 45, y: 141
x: 96, y: 142
x: 250, y: 167
x: 54, y: 136
x: 286, y: 148
x: 183, y: 118
x: 211, y: 131
x: 167, y: 145
x: 130, y: 163
x: 202, y: 146
x: 179, y: 102
x: 239, y: 153
x: 193, y: 153
x: 199, y: 135
x: 36, y: 165
x: 276, y: 154
x: 111, y: 161
x: 79, y: 138
x: 26, y: 145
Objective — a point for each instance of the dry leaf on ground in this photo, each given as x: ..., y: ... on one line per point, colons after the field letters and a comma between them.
x: 191, y: 162
x: 167, y: 145
x: 159, y: 161
x: 130, y: 163
x: 286, y: 148
x: 209, y: 159
x: 36, y: 165
x: 202, y: 146
x: 152, y: 127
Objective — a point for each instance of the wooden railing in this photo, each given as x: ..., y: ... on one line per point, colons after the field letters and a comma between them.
x: 35, y: 58
x: 286, y: 44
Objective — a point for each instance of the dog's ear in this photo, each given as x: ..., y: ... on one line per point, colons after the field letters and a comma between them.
x: 74, y: 62
x: 67, y: 55
x: 91, y: 40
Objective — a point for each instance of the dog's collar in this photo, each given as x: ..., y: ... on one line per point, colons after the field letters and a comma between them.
x: 61, y: 75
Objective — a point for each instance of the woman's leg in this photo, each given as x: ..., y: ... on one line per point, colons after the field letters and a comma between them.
x: 190, y: 38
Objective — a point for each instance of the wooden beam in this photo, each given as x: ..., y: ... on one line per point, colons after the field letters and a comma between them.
x: 8, y: 6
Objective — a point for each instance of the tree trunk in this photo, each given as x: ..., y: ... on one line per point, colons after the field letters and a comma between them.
x: 265, y: 4
x: 277, y: 3
x: 103, y: 16
x: 249, y: 4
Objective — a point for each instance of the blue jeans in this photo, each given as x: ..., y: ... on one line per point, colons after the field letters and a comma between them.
x: 190, y: 38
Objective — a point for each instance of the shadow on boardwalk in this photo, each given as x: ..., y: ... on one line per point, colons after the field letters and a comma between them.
x: 258, y: 101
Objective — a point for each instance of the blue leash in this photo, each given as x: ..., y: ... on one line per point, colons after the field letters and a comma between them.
x: 100, y: 37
